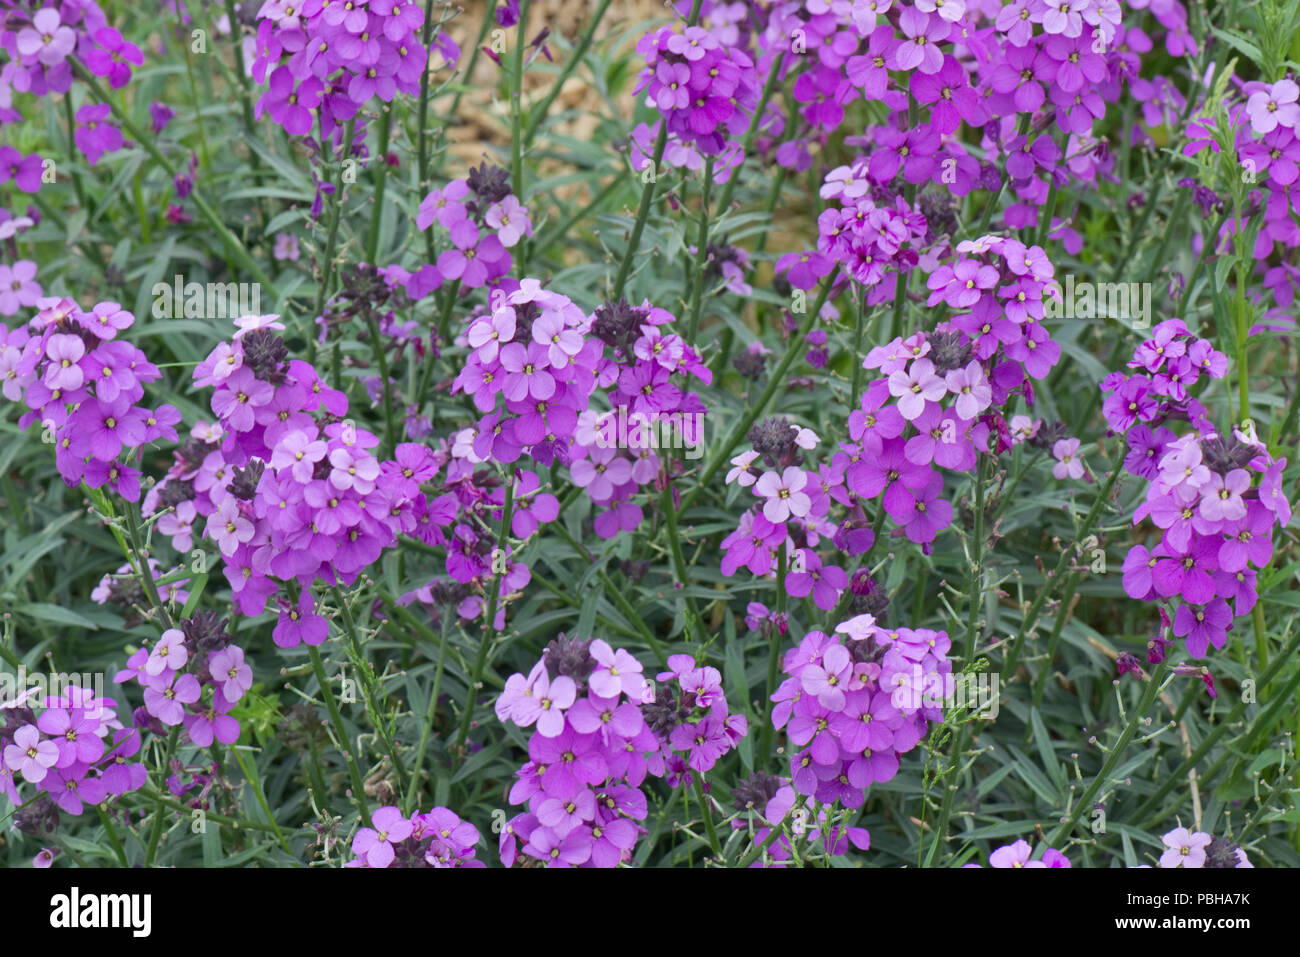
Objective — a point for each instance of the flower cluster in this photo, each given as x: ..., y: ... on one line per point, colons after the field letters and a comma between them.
x: 286, y: 487
x: 867, y: 235
x: 192, y: 676
x: 482, y: 219
x: 438, y: 838
x: 1214, y: 497
x: 40, y: 44
x: 337, y: 57
x: 763, y: 801
x: 83, y: 387
x: 533, y: 352
x: 942, y: 392
x: 689, y: 716
x: 854, y: 701
x: 75, y: 750
x: 793, y: 515
x: 588, y: 756
x: 647, y: 378
x: 704, y: 90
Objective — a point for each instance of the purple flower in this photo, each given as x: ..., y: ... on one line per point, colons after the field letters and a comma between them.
x: 1184, y: 848
x: 1203, y: 625
x: 1273, y: 106
x: 920, y: 51
x: 95, y: 136
x: 784, y: 494
x: 47, y: 39
x: 915, y: 387
x: 616, y: 672
x: 31, y: 754
x: 166, y: 700
x: 375, y: 844
x: 25, y: 171
x: 230, y: 672
x: 546, y: 705
x: 569, y: 850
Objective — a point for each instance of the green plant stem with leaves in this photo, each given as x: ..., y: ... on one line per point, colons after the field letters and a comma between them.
x: 489, y: 627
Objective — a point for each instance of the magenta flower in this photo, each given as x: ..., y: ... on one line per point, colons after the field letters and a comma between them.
x: 972, y: 389
x: 71, y: 787
x: 1068, y: 463
x: 31, y: 754
x: 569, y: 850
x: 915, y: 386
x: 510, y: 219
x: 169, y: 652
x: 546, y: 705
x: 1203, y: 625
x: 784, y: 494
x: 375, y: 844
x: 111, y: 57
x: 920, y: 51
x: 1221, y: 496
x: 616, y: 672
x: 300, y: 624
x: 47, y: 39
x: 289, y: 102
x: 923, y: 514
x: 230, y: 672
x: 1274, y: 106
x: 1012, y: 855
x: 64, y: 371
x: 95, y: 136
x: 1184, y: 848
x: 567, y: 761
x: 25, y: 171
x: 166, y: 701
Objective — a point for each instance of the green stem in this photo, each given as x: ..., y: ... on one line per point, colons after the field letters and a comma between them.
x: 773, y: 660
x: 747, y: 144
x: 336, y: 206
x: 490, y: 629
x: 516, y: 94
x: 155, y: 833
x: 642, y: 213
x: 111, y: 833
x: 261, y: 799
x: 427, y: 728
x: 1154, y: 681
x: 72, y: 151
x: 1050, y: 586
x: 372, y: 241
x: 373, y: 703
x: 706, y: 807
x: 701, y: 253
x: 380, y: 353
x: 695, y: 622
x: 1179, y: 774
x: 793, y: 349
x: 538, y: 114
x: 194, y: 94
x: 757, y: 851
x: 422, y: 138
x: 336, y: 719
